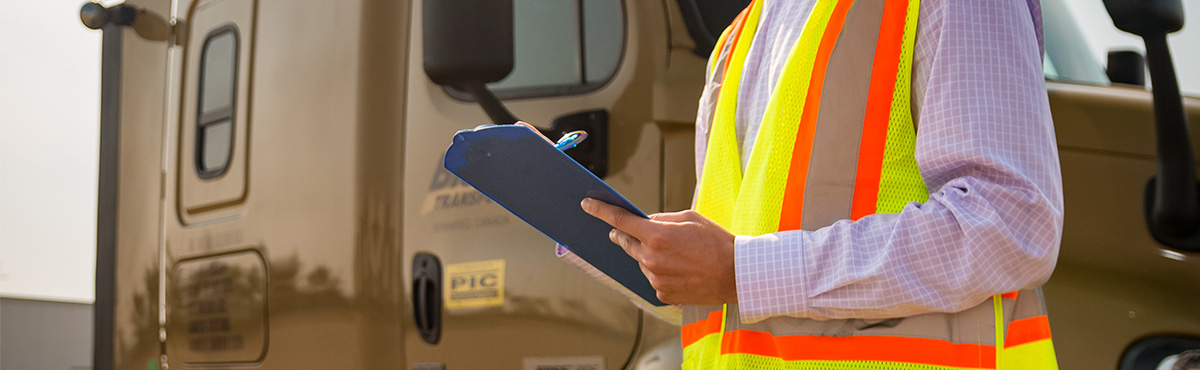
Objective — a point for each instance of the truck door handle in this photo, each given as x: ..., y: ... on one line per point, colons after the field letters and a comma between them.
x: 427, y: 297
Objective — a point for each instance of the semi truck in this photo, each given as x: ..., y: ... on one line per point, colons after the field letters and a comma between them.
x: 272, y: 194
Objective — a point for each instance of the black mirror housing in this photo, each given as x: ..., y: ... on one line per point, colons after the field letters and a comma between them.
x: 1146, y: 17
x: 1126, y: 67
x: 467, y: 41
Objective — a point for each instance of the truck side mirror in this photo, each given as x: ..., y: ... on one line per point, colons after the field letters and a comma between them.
x: 1172, y: 206
x: 147, y: 25
x: 469, y: 43
x: 1146, y: 17
x: 1126, y: 67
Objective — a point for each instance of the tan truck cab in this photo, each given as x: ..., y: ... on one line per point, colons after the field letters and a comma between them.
x: 272, y: 195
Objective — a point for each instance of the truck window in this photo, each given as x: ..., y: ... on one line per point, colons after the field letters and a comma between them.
x: 561, y: 48
x: 1067, y: 58
x: 215, y: 118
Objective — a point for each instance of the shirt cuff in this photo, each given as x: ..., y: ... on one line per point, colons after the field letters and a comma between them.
x: 769, y: 273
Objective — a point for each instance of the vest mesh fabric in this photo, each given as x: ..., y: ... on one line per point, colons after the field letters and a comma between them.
x: 900, y: 180
x: 751, y: 203
x: 724, y: 173
x: 758, y: 201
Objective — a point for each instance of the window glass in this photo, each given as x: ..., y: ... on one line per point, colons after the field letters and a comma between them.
x: 563, y: 47
x: 545, y: 43
x: 1048, y: 68
x: 220, y: 63
x: 217, y: 94
x: 1067, y: 56
x: 217, y: 145
x: 602, y: 39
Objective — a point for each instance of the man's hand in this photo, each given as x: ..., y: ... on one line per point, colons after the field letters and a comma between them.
x: 687, y: 257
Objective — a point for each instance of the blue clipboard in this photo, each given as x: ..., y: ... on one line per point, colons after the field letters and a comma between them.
x: 521, y: 171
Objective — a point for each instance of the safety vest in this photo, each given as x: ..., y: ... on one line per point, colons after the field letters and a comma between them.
x: 837, y: 143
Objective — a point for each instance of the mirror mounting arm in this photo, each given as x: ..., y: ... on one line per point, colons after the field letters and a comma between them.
x: 491, y: 105
x: 1172, y: 206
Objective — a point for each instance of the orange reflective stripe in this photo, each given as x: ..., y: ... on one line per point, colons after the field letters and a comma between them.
x: 859, y: 348
x: 739, y: 23
x: 693, y: 332
x: 735, y: 25
x: 722, y: 175
x: 879, y: 109
x: 791, y: 210
x: 1027, y: 330
x: 1010, y: 295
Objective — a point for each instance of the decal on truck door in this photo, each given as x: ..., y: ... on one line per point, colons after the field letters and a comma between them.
x: 475, y: 284
x: 447, y: 192
x: 219, y: 309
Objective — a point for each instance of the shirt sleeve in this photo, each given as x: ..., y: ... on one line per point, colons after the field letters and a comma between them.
x: 986, y: 150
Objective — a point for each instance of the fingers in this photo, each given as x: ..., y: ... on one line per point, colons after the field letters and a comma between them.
x: 631, y: 245
x: 686, y: 257
x: 647, y: 262
x: 534, y: 130
x: 643, y: 254
x: 617, y: 217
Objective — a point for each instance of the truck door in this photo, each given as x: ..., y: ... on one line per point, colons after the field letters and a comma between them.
x: 507, y: 301
x: 216, y: 275
x: 266, y: 265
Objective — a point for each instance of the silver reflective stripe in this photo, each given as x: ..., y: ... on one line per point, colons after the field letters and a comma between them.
x: 829, y: 188
x: 712, y: 87
x: 1029, y: 304
x: 693, y: 313
x: 975, y: 325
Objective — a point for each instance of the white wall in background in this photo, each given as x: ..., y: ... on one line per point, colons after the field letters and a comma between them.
x: 49, y: 138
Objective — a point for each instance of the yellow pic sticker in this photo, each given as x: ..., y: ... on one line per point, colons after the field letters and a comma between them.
x: 475, y: 284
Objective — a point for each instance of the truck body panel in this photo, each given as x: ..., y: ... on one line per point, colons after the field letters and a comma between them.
x: 279, y: 170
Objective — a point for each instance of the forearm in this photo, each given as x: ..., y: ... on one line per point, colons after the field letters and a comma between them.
x: 945, y: 255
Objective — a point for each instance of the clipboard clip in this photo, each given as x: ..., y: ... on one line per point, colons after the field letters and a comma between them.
x: 570, y: 140
x: 592, y: 154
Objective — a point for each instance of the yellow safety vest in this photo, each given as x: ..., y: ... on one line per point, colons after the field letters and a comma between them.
x: 827, y: 152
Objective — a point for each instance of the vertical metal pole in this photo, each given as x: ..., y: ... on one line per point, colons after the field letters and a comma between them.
x: 106, y: 217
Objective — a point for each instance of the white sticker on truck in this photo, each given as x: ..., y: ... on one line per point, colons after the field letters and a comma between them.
x: 564, y: 363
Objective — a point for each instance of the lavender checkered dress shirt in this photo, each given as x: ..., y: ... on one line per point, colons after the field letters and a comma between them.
x: 986, y: 149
